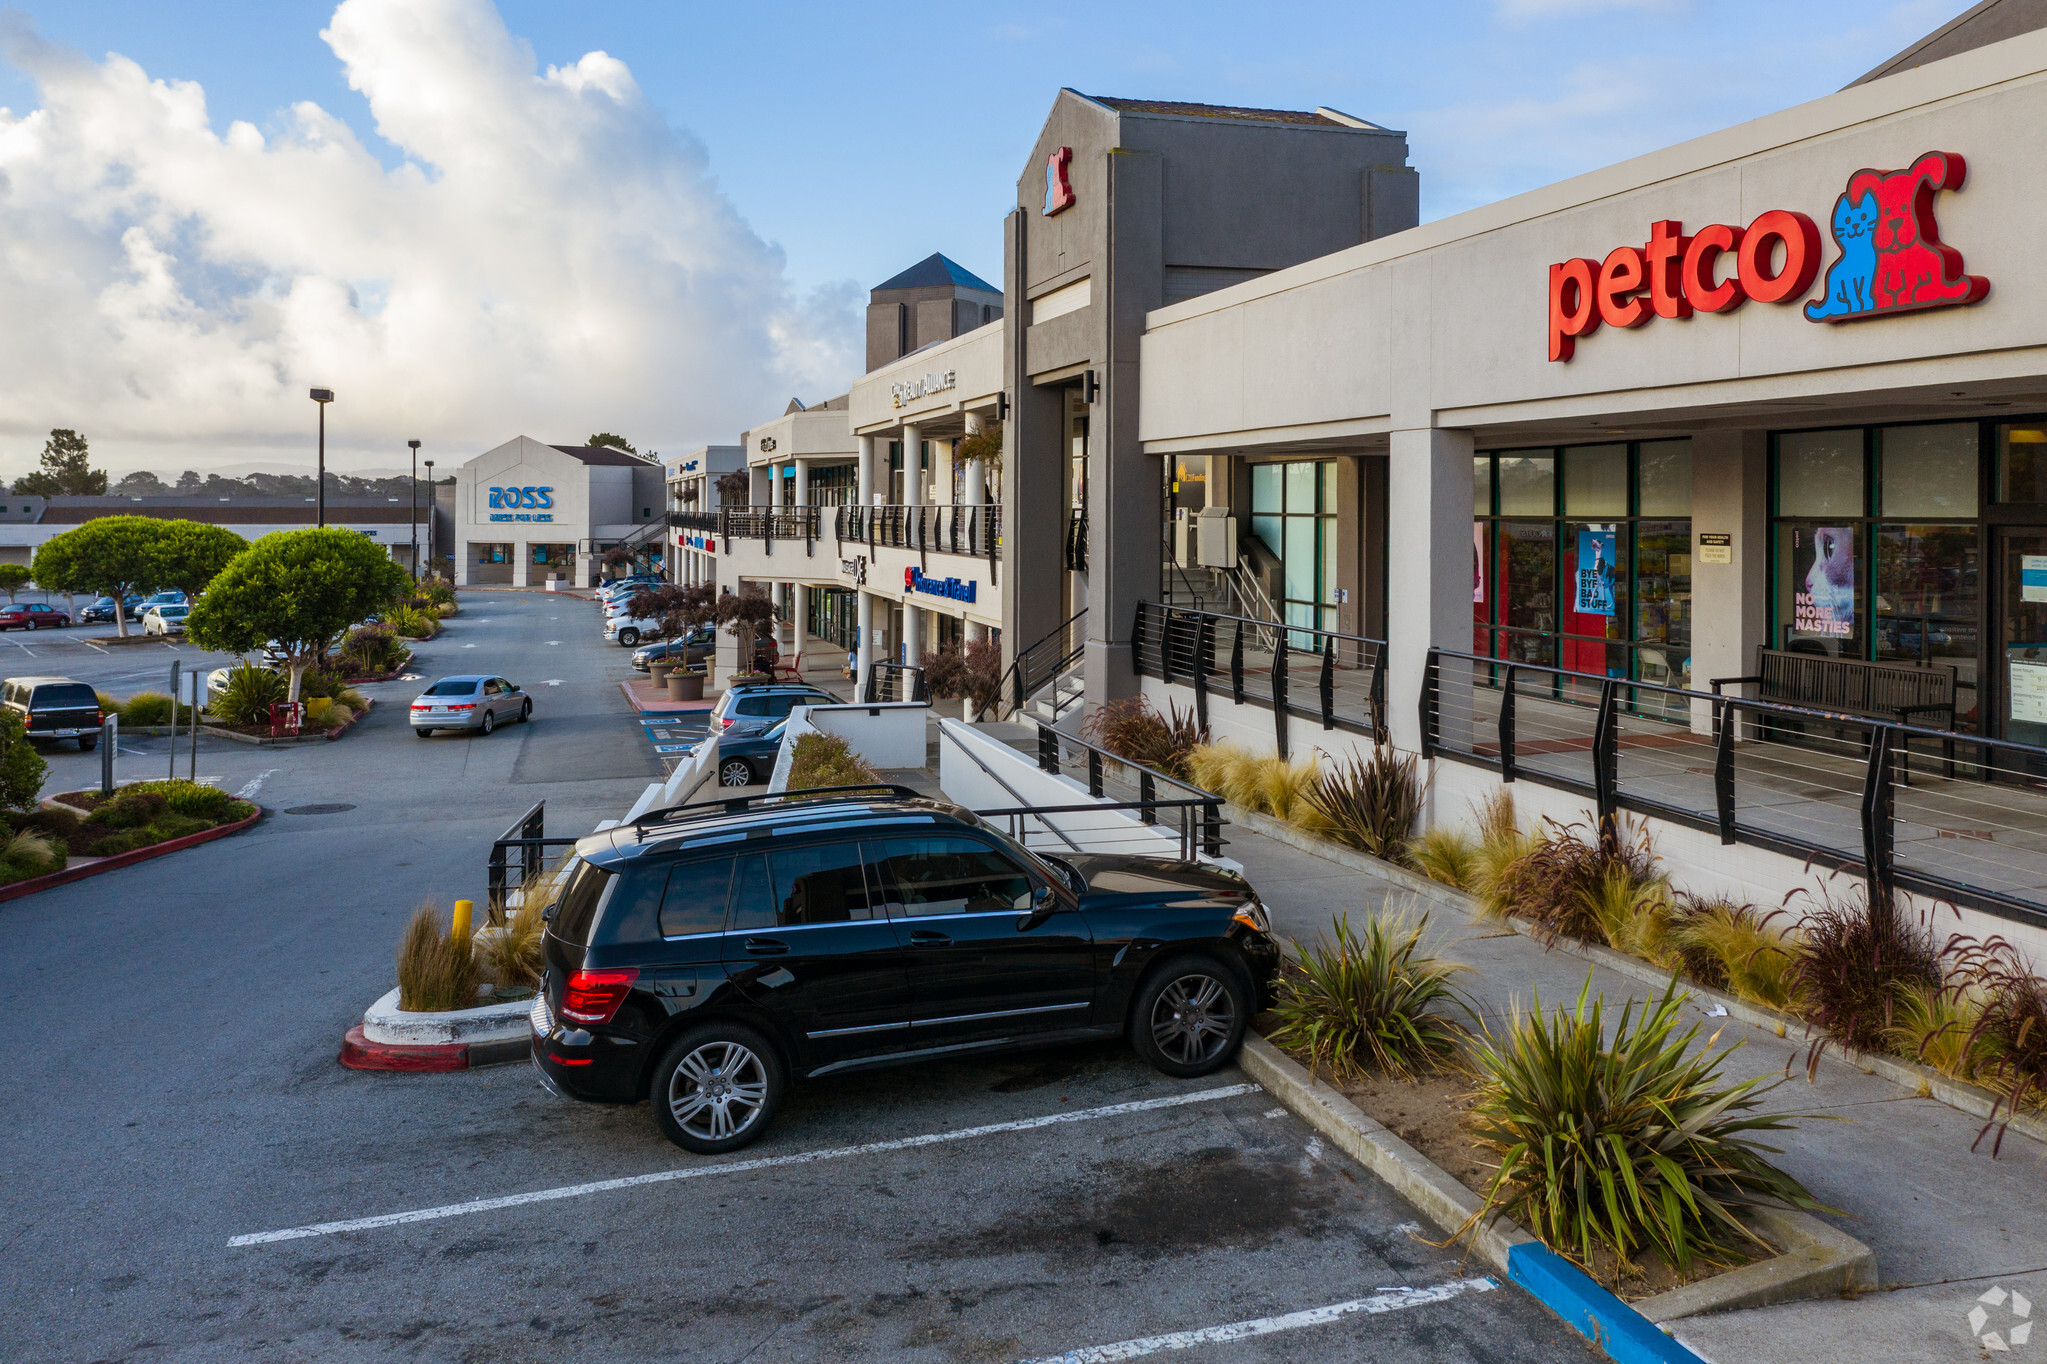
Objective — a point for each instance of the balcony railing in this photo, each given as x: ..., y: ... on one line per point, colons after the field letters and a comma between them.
x: 693, y: 520
x: 933, y: 528
x: 769, y: 524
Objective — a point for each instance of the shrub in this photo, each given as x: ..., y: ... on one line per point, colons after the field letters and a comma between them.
x: 22, y: 769
x: 193, y: 798
x: 1625, y: 1146
x: 319, y: 684
x: 1446, y: 855
x: 973, y: 671
x: 1854, y: 958
x: 249, y: 694
x: 1938, y: 1028
x: 108, y: 705
x: 28, y: 853
x: 1376, y: 1002
x: 827, y: 760
x: 128, y: 840
x: 1265, y: 782
x: 511, y: 954
x: 334, y: 716
x: 436, y: 969
x: 1131, y: 729
x: 1562, y: 881
x: 437, y: 591
x: 1370, y: 803
x: 372, y: 649
x: 1736, y: 948
x: 1634, y: 916
x: 170, y: 824
x: 153, y: 708
x: 2012, y: 1030
x: 132, y: 808
x: 446, y: 609
x: 410, y: 622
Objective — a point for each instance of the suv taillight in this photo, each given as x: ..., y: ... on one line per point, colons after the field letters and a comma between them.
x: 594, y: 996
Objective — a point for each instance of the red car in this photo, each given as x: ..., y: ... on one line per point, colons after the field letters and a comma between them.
x: 32, y: 616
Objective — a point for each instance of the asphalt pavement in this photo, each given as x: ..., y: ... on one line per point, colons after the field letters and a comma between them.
x: 189, y: 1175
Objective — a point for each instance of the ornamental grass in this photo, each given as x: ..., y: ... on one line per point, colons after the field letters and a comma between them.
x: 1374, y: 1001
x: 436, y: 968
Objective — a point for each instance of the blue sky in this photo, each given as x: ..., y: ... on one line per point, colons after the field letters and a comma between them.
x: 469, y: 224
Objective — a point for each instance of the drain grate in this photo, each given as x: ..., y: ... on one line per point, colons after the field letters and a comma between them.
x: 318, y: 809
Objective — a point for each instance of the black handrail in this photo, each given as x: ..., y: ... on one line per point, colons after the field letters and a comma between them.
x: 1178, y: 644
x: 1052, y: 740
x: 528, y: 836
x: 885, y: 682
x: 1043, y: 660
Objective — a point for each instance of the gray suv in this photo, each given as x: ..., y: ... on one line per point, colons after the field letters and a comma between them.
x: 746, y: 710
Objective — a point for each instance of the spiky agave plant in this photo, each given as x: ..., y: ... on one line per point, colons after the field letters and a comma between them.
x: 1370, y: 803
x: 1372, y: 1001
x: 1628, y: 1145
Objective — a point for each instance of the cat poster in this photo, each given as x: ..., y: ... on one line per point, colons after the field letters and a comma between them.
x: 1823, y: 582
x: 1595, y: 573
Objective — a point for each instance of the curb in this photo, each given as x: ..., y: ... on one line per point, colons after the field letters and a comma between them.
x: 359, y: 1053
x: 662, y: 707
x: 1921, y: 1081
x: 126, y: 859
x: 384, y: 1022
x: 1815, y: 1260
x: 327, y: 736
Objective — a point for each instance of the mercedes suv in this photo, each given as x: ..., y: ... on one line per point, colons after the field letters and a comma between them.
x: 702, y: 958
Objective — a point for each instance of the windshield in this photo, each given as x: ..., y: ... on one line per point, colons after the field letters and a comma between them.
x: 776, y: 732
x: 64, y: 696
x: 459, y: 686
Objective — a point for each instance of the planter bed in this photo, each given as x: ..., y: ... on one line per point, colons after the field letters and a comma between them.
x: 260, y: 734
x: 391, y: 676
x: 455, y: 1039
x: 92, y: 866
x: 137, y: 638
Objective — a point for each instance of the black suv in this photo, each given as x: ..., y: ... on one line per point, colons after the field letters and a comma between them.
x: 702, y: 956
x: 55, y: 708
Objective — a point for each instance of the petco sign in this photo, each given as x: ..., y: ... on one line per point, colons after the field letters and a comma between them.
x: 1889, y: 259
x: 539, y: 498
x: 915, y: 581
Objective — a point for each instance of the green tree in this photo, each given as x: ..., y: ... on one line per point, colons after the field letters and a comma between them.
x: 190, y: 553
x: 744, y: 615
x: 615, y: 442
x: 21, y: 767
x: 14, y: 577
x: 300, y: 588
x: 66, y: 471
x: 109, y: 555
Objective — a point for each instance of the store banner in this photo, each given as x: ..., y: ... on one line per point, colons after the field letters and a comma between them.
x: 1823, y: 574
x: 1595, y: 573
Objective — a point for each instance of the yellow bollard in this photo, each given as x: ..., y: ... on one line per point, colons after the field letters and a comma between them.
x: 460, y: 928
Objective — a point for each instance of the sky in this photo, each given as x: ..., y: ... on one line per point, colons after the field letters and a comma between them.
x: 661, y: 218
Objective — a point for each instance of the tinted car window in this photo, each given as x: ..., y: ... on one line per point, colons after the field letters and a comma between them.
x: 820, y: 885
x: 695, y: 900
x: 953, y: 876
x: 461, y: 687
x: 753, y: 896
x: 752, y: 705
x: 64, y: 696
x: 579, y: 901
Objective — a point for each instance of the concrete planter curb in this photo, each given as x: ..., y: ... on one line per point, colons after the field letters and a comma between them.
x: 126, y: 859
x: 1922, y: 1081
x: 459, y: 1039
x: 264, y: 741
x: 1815, y: 1260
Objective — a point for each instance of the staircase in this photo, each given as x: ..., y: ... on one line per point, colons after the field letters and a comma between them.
x: 1046, y: 677
x: 1062, y: 694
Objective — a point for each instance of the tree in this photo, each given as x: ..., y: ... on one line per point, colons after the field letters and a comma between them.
x: 66, y: 470
x: 615, y: 442
x: 141, y: 483
x: 735, y: 489
x: 21, y: 768
x: 190, y: 482
x: 190, y: 553
x: 112, y: 556
x: 743, y: 615
x: 14, y: 577
x: 299, y: 588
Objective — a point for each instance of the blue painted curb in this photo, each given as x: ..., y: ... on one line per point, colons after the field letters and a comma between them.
x: 1623, y: 1333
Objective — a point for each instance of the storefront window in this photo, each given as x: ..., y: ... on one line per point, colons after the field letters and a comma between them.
x: 2022, y: 463
x: 1595, y: 597
x: 1527, y: 589
x: 1928, y: 582
x: 1927, y: 470
x: 1820, y: 473
x: 1663, y: 475
x: 1482, y: 486
x: 1663, y: 601
x: 1596, y: 480
x: 1293, y: 514
x: 1528, y: 483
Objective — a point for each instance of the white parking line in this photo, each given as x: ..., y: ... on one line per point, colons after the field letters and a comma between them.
x: 1388, y: 1300
x: 256, y: 784
x: 394, y: 1219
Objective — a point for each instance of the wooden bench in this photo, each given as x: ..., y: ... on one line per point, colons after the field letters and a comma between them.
x: 1892, y: 692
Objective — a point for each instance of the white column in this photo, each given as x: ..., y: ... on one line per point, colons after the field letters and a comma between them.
x: 522, y: 564
x: 866, y: 472
x: 799, y: 603
x: 913, y: 459
x: 464, y: 553
x: 976, y: 631
x: 941, y: 470
x: 1428, y: 518
x: 802, y: 484
x: 864, y: 650
x: 913, y: 633
x: 974, y: 483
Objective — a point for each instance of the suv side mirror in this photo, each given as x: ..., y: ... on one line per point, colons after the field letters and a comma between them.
x: 1044, y: 903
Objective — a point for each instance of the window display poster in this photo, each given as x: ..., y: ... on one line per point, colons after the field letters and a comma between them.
x: 2033, y: 577
x: 1595, y: 573
x: 2028, y: 692
x: 1823, y: 581
x: 1478, y: 561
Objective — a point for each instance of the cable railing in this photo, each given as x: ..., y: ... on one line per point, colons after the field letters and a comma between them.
x: 1044, y: 660
x: 934, y: 528
x: 1333, y: 679
x: 523, y: 859
x: 768, y: 524
x: 1956, y: 817
x: 1108, y: 775
x: 894, y: 682
x: 1076, y: 539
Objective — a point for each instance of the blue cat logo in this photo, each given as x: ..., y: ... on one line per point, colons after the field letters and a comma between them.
x: 1851, y: 280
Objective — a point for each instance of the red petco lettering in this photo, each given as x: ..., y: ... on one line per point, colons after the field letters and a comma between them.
x: 1674, y: 276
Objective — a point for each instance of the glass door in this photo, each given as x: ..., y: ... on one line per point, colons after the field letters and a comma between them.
x: 2022, y: 633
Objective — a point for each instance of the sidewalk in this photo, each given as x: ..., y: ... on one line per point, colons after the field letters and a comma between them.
x: 1946, y: 1225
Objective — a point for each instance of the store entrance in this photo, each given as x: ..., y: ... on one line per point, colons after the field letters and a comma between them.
x: 2022, y: 633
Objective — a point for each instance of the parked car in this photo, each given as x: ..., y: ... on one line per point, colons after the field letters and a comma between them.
x: 632, y: 579
x: 696, y: 647
x: 33, y: 616
x: 168, y: 619
x: 756, y: 706
x: 748, y: 758
x: 103, y: 609
x: 55, y: 708
x: 217, y: 679
x: 474, y: 702
x: 688, y: 966
x: 170, y: 598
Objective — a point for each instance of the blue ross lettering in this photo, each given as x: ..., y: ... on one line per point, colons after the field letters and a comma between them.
x: 546, y: 497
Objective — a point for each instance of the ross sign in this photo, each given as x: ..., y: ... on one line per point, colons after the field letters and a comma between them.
x: 1595, y: 573
x: 855, y: 568
x: 915, y: 581
x: 1823, y: 582
x: 1058, y: 188
x: 918, y: 388
x: 1891, y: 260
x: 521, y: 497
x: 1715, y: 547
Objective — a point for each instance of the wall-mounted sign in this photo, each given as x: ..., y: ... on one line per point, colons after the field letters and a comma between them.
x: 955, y: 588
x: 1058, y: 188
x: 1716, y: 547
x: 913, y: 389
x: 767, y: 444
x: 855, y: 568
x: 521, y: 497
x: 689, y: 466
x: 1890, y: 260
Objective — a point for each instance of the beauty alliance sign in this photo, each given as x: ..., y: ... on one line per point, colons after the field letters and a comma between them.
x: 1889, y: 258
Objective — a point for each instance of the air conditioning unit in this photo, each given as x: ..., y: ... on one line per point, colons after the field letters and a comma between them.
x: 1216, y: 538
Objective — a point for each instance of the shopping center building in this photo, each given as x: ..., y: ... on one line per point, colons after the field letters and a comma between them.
x: 1762, y: 413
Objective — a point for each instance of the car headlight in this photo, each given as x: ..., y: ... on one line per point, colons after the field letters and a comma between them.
x: 1251, y: 914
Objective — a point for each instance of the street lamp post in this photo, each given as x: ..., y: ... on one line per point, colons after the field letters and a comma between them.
x: 322, y: 396
x: 430, y: 501
x: 415, y: 508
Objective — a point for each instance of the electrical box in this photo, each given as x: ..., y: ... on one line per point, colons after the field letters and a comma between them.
x: 1217, y: 538
x: 1183, y: 539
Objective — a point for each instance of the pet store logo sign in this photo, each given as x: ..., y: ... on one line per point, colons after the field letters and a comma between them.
x: 1888, y: 258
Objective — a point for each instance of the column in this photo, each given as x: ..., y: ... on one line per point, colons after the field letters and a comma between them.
x: 465, y: 553
x: 974, y: 484
x: 913, y: 460
x: 799, y: 603
x: 802, y: 484
x: 1429, y: 549
x: 976, y: 631
x: 864, y: 650
x: 1731, y: 601
x: 913, y: 634
x: 522, y: 564
x: 941, y: 469
x: 866, y: 473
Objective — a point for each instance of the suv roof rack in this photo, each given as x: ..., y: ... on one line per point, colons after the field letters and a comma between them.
x: 736, y: 805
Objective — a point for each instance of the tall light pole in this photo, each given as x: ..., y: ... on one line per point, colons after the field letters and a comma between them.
x: 431, y: 500
x: 415, y: 508
x: 322, y: 396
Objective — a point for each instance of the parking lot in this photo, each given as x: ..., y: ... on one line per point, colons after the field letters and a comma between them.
x: 178, y: 1106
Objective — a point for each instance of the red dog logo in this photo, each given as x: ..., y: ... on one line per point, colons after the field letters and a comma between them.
x: 1892, y: 258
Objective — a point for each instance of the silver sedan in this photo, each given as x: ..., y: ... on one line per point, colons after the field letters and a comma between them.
x: 475, y: 701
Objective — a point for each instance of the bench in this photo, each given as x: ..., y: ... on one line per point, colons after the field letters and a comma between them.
x: 1892, y: 692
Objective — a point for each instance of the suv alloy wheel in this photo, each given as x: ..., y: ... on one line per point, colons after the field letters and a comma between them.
x: 717, y: 1088
x: 735, y: 772
x: 1189, y: 1016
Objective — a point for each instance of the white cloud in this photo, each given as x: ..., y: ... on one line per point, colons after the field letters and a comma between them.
x: 551, y: 257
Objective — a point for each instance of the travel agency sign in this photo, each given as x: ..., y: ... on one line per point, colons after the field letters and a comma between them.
x: 1889, y: 258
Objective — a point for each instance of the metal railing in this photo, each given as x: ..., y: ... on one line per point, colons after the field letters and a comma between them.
x: 1199, y: 810
x: 520, y: 861
x: 1335, y: 679
x: 1044, y: 660
x: 769, y: 524
x: 1956, y: 817
x: 1076, y: 539
x: 934, y: 528
x: 894, y: 682
x: 693, y: 520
